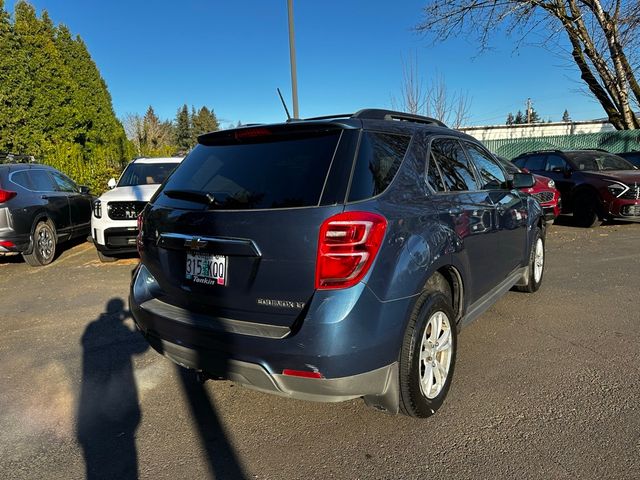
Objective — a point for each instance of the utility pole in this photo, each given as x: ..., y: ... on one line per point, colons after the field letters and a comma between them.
x: 528, y: 110
x: 292, y: 57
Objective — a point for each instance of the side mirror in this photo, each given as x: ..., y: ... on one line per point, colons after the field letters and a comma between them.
x: 112, y: 183
x: 523, y: 180
x: 84, y: 189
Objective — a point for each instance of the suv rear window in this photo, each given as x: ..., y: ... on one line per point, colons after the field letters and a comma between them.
x: 379, y: 158
x: 279, y: 171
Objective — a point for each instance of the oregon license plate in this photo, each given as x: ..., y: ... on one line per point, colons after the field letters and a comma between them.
x: 206, y: 269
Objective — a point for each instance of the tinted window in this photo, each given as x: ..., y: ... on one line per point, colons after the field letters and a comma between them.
x: 454, y: 165
x: 22, y: 178
x: 433, y: 175
x: 597, y: 161
x: 42, y: 181
x: 555, y: 162
x: 63, y: 183
x: 146, y: 173
x: 278, y: 171
x: 532, y: 162
x: 491, y: 175
x: 379, y: 159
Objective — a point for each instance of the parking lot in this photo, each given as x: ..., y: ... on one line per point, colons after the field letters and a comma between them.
x: 546, y: 386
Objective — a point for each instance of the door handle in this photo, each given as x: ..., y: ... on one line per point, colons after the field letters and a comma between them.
x: 45, y: 197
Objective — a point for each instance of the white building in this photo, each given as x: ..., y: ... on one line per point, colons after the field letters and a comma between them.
x: 513, y: 132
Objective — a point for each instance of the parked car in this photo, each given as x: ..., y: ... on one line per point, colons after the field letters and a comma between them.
x: 333, y: 258
x: 544, y: 190
x: 40, y: 208
x: 594, y: 185
x: 113, y: 223
x: 631, y: 157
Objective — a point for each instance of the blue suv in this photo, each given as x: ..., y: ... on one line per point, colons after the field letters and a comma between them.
x: 333, y: 258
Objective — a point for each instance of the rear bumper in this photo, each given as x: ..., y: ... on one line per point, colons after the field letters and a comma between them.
x: 256, y: 377
x: 10, y: 244
x: 348, y: 337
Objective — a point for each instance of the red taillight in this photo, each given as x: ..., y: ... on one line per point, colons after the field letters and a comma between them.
x: 7, y: 244
x: 302, y: 373
x: 347, y: 246
x: 139, y: 243
x: 252, y: 133
x: 6, y: 195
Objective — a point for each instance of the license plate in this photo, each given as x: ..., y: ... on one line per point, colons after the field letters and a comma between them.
x: 206, y: 269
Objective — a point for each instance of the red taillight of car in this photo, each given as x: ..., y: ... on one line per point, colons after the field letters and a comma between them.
x: 7, y: 244
x: 302, y: 373
x: 252, y: 133
x: 348, y: 244
x: 6, y: 195
x: 139, y: 243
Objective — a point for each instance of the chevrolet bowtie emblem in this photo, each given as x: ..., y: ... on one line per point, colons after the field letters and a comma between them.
x: 195, y: 243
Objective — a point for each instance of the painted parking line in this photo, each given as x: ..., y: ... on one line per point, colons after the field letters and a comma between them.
x: 80, y: 250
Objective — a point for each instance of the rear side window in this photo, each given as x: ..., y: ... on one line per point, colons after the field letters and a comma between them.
x: 42, y: 181
x: 433, y: 176
x: 453, y: 163
x: 379, y: 158
x: 277, y: 171
x: 22, y: 178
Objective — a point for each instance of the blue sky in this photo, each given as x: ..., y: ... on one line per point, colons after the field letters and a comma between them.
x: 231, y: 56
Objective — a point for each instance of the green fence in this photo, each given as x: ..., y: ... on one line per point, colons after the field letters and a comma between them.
x: 614, y: 142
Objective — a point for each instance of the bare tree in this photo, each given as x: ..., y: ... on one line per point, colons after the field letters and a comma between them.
x: 602, y: 39
x: 134, y: 129
x: 432, y: 99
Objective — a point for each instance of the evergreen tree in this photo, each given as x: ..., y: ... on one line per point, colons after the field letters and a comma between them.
x: 565, y: 116
x: 519, y: 119
x: 183, y: 129
x: 157, y: 135
x: 510, y: 119
x: 203, y: 121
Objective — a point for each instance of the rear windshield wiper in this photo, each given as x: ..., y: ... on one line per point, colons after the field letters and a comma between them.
x: 192, y: 196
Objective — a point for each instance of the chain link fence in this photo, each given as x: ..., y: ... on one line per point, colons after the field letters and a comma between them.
x: 614, y: 142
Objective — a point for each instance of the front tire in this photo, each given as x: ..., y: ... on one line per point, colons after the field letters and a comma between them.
x: 428, y: 356
x: 44, y: 245
x: 585, y: 211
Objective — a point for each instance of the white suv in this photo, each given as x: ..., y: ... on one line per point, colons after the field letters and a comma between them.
x: 114, y: 219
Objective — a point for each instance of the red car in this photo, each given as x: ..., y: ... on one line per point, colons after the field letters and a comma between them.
x: 544, y: 191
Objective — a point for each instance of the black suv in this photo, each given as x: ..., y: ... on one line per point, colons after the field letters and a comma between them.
x: 333, y: 258
x: 594, y: 185
x: 39, y: 208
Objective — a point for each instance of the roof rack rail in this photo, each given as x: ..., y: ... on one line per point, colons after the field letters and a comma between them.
x: 380, y: 114
x: 323, y: 117
x: 7, y: 157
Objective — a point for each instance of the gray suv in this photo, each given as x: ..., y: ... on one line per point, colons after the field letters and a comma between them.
x: 40, y: 207
x: 333, y: 258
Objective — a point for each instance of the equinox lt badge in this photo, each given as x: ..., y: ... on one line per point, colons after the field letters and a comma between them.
x: 280, y: 303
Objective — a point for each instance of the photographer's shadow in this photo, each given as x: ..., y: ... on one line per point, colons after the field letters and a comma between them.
x: 108, y: 412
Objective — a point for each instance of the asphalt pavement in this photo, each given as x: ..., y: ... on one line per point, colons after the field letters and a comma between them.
x: 546, y: 386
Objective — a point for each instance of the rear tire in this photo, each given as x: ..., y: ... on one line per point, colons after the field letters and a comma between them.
x: 428, y: 356
x: 585, y: 211
x: 536, y: 265
x: 105, y: 258
x: 44, y: 245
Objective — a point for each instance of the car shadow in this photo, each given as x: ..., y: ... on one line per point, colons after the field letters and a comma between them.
x: 108, y: 412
